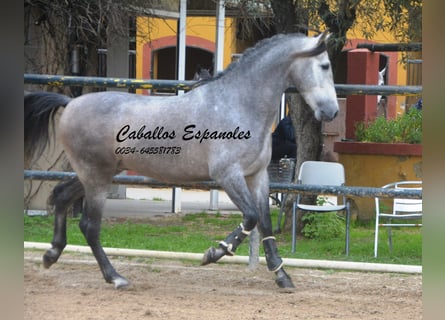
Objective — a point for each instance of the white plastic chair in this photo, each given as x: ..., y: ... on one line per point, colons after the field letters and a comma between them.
x: 402, y: 209
x: 325, y: 174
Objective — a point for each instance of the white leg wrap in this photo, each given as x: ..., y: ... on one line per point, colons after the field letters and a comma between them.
x: 244, y: 231
x: 270, y: 248
x: 278, y: 268
x: 228, y: 247
x: 234, y: 239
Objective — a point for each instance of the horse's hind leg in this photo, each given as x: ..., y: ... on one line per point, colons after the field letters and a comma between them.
x: 62, y: 197
x: 90, y: 224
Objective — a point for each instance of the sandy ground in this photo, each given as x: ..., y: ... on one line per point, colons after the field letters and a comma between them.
x: 165, y: 289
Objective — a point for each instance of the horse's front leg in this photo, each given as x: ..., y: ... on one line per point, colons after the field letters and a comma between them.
x: 236, y: 188
x: 251, y: 200
x: 273, y: 259
x: 259, y: 186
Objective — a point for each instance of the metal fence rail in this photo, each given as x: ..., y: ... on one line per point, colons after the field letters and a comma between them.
x: 208, y: 185
x: 413, y: 46
x: 102, y: 82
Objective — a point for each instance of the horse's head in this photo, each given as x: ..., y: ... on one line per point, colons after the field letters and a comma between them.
x: 202, y: 74
x: 311, y: 74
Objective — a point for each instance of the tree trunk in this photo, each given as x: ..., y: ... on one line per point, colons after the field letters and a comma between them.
x: 309, y: 146
x: 292, y: 16
x: 307, y: 128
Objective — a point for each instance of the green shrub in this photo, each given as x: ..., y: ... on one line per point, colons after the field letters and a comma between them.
x: 404, y: 129
x: 323, y: 226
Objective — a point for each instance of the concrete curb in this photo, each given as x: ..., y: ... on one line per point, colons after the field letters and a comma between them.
x: 298, y: 263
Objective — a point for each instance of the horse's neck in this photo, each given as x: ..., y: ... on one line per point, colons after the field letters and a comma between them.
x: 261, y: 87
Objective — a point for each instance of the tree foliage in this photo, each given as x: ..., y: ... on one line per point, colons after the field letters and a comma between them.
x: 55, y: 28
x: 401, y: 18
x: 67, y: 24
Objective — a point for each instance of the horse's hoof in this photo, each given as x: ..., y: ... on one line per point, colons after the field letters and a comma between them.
x: 50, y: 257
x: 120, y: 282
x: 283, y: 280
x: 212, y: 255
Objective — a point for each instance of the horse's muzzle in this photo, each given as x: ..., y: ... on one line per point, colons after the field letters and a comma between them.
x: 326, y: 115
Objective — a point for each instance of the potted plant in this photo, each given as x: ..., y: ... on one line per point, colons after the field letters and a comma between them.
x: 385, y: 150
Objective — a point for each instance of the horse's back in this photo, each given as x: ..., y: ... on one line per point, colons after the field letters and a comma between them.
x: 117, y: 131
x: 86, y: 130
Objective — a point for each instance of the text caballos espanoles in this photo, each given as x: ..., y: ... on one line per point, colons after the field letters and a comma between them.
x: 190, y: 132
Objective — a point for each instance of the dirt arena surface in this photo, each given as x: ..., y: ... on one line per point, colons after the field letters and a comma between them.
x: 166, y: 289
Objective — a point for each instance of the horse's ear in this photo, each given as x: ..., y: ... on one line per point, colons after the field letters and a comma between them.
x: 323, y: 37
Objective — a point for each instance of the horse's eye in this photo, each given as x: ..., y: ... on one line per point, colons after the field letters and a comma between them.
x: 325, y: 66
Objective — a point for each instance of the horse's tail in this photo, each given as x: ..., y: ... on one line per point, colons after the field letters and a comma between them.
x: 40, y: 109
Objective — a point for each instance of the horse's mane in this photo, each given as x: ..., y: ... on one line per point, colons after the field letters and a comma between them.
x: 250, y: 53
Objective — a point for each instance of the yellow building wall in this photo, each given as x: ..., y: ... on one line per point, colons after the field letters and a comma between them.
x: 151, y: 28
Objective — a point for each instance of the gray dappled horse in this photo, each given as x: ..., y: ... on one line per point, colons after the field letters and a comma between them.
x: 221, y: 130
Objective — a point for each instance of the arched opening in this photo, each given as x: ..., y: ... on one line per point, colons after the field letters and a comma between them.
x: 197, y: 57
x: 164, y: 64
